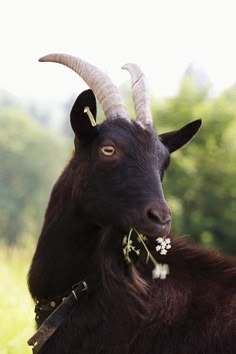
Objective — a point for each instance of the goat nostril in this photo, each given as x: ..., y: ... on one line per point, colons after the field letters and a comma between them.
x: 158, y: 217
x: 153, y: 215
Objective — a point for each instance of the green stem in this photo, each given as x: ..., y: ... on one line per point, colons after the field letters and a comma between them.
x: 129, y: 235
x: 127, y: 246
x: 146, y: 249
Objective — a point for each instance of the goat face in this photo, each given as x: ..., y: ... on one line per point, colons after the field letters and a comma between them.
x: 119, y: 166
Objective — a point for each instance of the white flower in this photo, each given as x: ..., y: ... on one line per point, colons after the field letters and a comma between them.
x: 164, y: 245
x: 160, y: 271
x: 158, y: 248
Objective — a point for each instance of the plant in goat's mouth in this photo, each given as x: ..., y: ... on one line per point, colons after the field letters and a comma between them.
x: 163, y: 244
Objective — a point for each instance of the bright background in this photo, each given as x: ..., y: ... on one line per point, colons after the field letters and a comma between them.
x: 163, y: 37
x: 186, y: 49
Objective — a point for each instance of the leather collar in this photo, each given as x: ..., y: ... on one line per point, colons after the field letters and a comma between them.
x: 57, y: 310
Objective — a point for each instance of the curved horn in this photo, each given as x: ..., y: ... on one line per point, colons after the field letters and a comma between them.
x: 140, y: 93
x: 104, y: 89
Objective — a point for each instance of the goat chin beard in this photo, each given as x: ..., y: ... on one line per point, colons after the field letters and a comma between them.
x: 120, y: 280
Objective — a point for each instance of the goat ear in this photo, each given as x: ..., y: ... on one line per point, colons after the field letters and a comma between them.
x: 80, y: 121
x: 174, y: 140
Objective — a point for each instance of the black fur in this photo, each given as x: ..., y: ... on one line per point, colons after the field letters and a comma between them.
x: 92, y: 206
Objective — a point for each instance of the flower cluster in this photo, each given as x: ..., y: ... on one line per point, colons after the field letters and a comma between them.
x: 129, y: 247
x: 164, y: 245
x: 160, y: 271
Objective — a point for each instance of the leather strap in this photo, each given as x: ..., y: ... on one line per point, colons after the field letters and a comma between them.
x: 51, y: 324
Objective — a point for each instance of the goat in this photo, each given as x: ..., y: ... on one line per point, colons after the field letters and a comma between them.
x: 113, y: 184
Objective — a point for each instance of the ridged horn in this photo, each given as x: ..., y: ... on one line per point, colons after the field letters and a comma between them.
x: 140, y: 93
x: 104, y: 89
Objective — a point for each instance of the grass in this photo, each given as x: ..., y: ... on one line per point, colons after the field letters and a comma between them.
x: 16, y: 306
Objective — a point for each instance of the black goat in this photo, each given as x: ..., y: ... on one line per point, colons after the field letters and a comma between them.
x: 113, y: 184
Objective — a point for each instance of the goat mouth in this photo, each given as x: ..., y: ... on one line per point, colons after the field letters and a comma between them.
x: 151, y: 231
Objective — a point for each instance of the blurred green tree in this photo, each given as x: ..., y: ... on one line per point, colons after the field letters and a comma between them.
x: 30, y: 160
x: 201, y: 182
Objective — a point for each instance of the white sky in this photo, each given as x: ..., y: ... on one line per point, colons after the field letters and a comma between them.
x: 162, y: 37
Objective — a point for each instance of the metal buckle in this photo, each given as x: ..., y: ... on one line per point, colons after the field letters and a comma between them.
x: 79, y: 287
x: 85, y: 285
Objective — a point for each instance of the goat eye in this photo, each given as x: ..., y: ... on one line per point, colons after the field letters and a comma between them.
x: 108, y: 150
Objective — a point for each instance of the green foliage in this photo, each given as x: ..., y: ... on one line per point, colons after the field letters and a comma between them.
x: 16, y: 307
x: 30, y: 159
x: 200, y: 184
